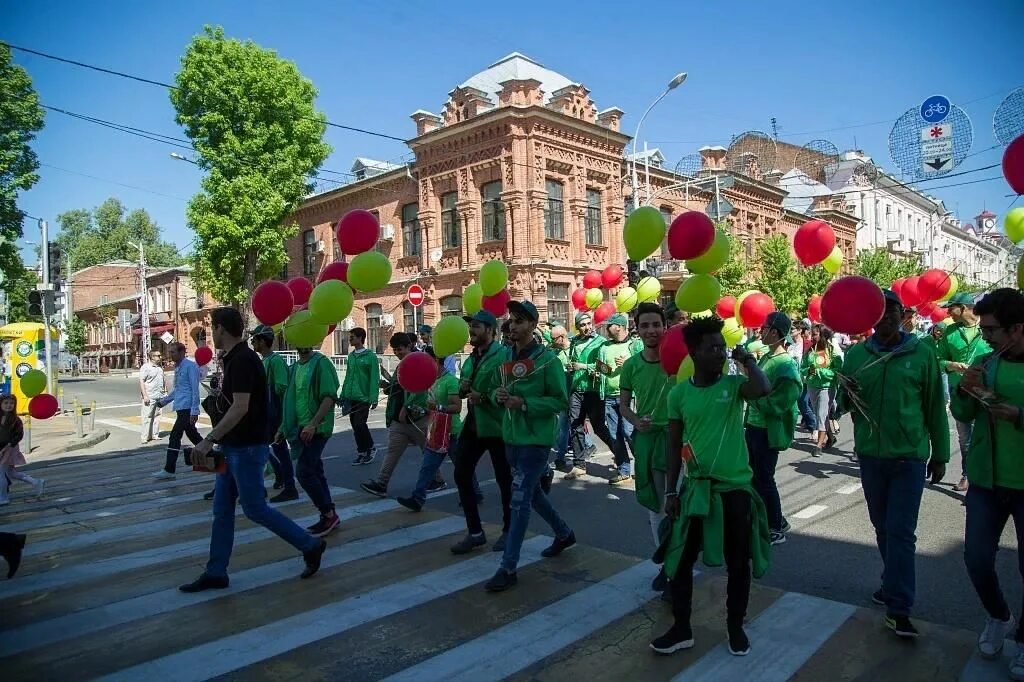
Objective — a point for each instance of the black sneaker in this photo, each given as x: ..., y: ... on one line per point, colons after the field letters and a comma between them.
x: 660, y: 582
x: 676, y: 639
x: 501, y: 581
x: 879, y: 598
x: 559, y: 545
x: 830, y: 442
x: 286, y: 495
x: 370, y: 455
x: 375, y: 488
x: 325, y: 526
x: 816, y: 452
x: 619, y: 479
x: 546, y: 481
x: 499, y: 545
x: 410, y: 503
x: 902, y: 626
x: 360, y: 459
x: 436, y: 486
x: 785, y: 526
x: 469, y: 543
x: 559, y: 464
x: 312, y: 559
x: 776, y: 537
x: 11, y: 550
x: 209, y: 496
x: 206, y: 582
x: 739, y: 645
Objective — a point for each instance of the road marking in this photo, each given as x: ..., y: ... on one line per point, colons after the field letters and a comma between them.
x: 849, y: 489
x: 518, y: 645
x: 227, y: 654
x: 980, y: 669
x: 808, y: 512
x: 116, y: 407
x: 119, y: 423
x: 105, y: 616
x: 783, y: 637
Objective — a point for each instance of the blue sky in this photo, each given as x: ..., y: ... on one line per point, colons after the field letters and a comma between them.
x: 834, y: 70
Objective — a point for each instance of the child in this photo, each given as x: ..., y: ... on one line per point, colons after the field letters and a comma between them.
x: 11, y: 433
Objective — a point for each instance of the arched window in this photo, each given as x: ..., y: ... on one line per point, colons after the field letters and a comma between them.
x: 373, y: 335
x: 409, y: 315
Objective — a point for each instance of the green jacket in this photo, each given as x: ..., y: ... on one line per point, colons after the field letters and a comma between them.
x: 584, y: 350
x: 485, y: 380
x: 900, y: 409
x: 959, y: 345
x: 821, y: 377
x: 277, y: 374
x: 323, y: 384
x: 777, y: 411
x: 543, y: 391
x: 362, y: 377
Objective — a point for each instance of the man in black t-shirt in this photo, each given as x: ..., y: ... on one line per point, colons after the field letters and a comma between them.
x: 244, y: 439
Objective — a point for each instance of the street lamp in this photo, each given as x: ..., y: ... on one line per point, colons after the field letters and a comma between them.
x: 178, y: 157
x: 672, y: 85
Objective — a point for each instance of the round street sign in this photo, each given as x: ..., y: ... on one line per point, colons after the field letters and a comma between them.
x: 415, y: 295
x: 935, y: 109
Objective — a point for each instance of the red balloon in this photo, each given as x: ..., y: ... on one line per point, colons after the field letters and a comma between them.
x: 813, y: 242
x: 497, y: 305
x: 910, y: 294
x: 417, y: 372
x: 604, y: 311
x: 357, y: 231
x: 926, y: 309
x: 612, y: 276
x: 1013, y: 165
x: 272, y: 302
x: 301, y: 289
x: 579, y: 299
x: 934, y: 284
x: 897, y: 287
x: 814, y: 309
x: 852, y: 304
x: 203, y: 355
x: 690, y: 235
x: 592, y: 280
x: 338, y: 271
x: 726, y: 307
x: 939, y: 314
x: 43, y: 406
x: 755, y: 309
x: 672, y: 350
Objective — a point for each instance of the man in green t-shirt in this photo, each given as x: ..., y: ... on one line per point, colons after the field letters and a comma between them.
x: 277, y: 380
x: 610, y: 359
x: 771, y: 420
x: 360, y: 393
x: 961, y: 344
x: 718, y: 514
x: 585, y: 394
x: 560, y: 347
x: 991, y: 397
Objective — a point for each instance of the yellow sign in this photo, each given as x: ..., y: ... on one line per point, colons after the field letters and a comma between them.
x: 24, y: 349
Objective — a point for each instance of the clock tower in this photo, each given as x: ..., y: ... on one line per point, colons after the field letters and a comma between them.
x: 986, y: 222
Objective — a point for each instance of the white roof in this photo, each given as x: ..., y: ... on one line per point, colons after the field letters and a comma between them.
x: 374, y: 164
x: 654, y: 155
x: 516, y: 66
x: 801, y: 190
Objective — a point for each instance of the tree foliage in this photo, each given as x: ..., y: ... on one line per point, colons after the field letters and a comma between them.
x: 734, y: 275
x: 17, y: 283
x: 251, y: 119
x: 103, y: 234
x: 884, y: 268
x: 778, y: 275
x: 74, y: 336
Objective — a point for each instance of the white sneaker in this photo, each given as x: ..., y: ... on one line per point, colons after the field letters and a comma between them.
x: 990, y: 641
x: 40, y: 482
x: 1017, y: 664
x: 164, y: 475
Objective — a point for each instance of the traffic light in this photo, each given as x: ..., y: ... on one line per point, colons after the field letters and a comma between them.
x: 54, y: 255
x: 35, y: 303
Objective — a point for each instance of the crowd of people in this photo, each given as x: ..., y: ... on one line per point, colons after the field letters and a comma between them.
x: 701, y: 452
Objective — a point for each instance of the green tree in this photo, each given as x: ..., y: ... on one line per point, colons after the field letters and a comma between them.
x: 74, y: 336
x: 883, y: 268
x: 17, y: 283
x: 734, y: 275
x: 777, y: 274
x: 814, y: 281
x: 251, y: 119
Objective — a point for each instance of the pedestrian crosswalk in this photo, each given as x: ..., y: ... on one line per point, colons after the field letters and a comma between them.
x: 97, y: 598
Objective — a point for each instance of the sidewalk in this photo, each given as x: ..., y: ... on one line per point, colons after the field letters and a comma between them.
x: 55, y: 436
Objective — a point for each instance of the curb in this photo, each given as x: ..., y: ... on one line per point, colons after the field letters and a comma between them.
x: 88, y: 441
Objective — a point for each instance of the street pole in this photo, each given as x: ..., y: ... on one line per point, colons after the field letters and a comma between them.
x: 143, y: 299
x: 47, y: 341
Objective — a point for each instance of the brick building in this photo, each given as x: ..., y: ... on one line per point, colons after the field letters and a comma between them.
x: 522, y: 166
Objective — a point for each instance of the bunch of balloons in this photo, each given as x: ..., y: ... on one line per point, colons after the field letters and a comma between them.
x: 591, y: 295
x: 753, y: 308
x: 40, y: 405
x: 815, y: 243
x: 490, y: 293
x: 932, y: 286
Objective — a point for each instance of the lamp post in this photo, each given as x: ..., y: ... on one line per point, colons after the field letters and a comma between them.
x: 672, y: 85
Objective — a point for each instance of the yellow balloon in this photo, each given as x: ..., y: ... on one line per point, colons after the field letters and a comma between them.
x: 713, y: 259
x: 732, y: 332
x: 697, y: 293
x: 954, y: 284
x: 739, y: 301
x: 833, y: 261
x: 594, y: 298
x: 685, y: 369
x: 625, y: 299
x: 648, y: 290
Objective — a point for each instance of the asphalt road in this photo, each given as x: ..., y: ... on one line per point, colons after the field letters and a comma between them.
x: 830, y: 552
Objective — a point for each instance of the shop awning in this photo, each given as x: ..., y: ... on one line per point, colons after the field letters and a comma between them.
x: 155, y: 328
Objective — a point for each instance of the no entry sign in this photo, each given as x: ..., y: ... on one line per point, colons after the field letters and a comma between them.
x: 415, y: 295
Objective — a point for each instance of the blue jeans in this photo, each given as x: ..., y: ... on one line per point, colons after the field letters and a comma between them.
x: 562, y: 444
x: 892, y: 490
x: 810, y: 420
x: 622, y: 433
x: 431, y: 464
x: 309, y: 470
x: 243, y: 481
x: 281, y: 462
x: 528, y: 462
x: 988, y: 510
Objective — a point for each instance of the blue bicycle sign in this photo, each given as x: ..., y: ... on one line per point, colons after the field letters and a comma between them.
x: 935, y: 109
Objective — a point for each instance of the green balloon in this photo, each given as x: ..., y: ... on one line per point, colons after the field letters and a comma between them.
x: 472, y: 299
x: 648, y: 290
x: 302, y: 331
x: 1013, y: 223
x: 493, y: 277
x: 450, y: 336
x: 713, y: 259
x: 33, y: 382
x: 331, y: 302
x: 369, y: 271
x: 644, y: 232
x: 698, y: 293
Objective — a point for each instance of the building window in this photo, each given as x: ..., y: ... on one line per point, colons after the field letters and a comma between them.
x: 627, y: 206
x: 309, y: 253
x: 494, y: 211
x: 558, y: 303
x: 284, y: 270
x: 449, y: 220
x: 451, y: 306
x: 666, y: 213
x: 554, y: 211
x: 341, y: 342
x: 410, y: 230
x: 593, y: 219
x: 409, y: 315
x: 374, y: 339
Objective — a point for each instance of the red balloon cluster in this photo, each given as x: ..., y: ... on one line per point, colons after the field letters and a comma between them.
x: 813, y: 242
x: 1013, y: 165
x: 672, y: 350
x: 611, y: 277
x: 417, y: 372
x: 604, y: 311
x: 357, y: 231
x: 934, y: 284
x: 43, y: 406
x: 690, y: 235
x: 203, y: 355
x: 301, y: 289
x: 814, y: 309
x: 726, y: 307
x: 337, y: 270
x: 272, y: 302
x: 579, y: 299
x: 852, y: 304
x: 497, y: 304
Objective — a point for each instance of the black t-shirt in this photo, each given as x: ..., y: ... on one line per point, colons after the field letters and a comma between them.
x: 244, y: 373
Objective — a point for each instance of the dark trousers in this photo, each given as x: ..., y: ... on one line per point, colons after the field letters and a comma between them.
x: 309, y: 470
x: 988, y: 510
x: 471, y: 448
x: 584, y: 405
x: 182, y: 425
x: 736, y: 509
x: 763, y: 461
x: 360, y: 431
x: 281, y: 463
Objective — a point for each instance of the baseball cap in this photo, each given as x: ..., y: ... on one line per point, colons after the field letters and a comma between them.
x: 780, y: 322
x: 582, y: 316
x: 963, y: 298
x: 524, y: 308
x: 891, y: 297
x: 263, y: 330
x: 425, y: 329
x: 619, y: 319
x: 483, y: 317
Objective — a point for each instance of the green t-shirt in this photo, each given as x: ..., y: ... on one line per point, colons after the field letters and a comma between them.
x: 650, y: 386
x: 775, y: 367
x: 1009, y: 445
x: 607, y: 355
x: 712, y: 418
x: 305, y: 408
x: 277, y: 374
x: 444, y: 388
